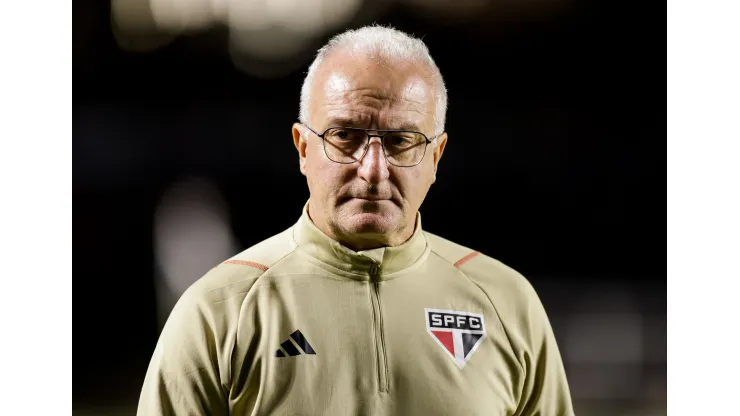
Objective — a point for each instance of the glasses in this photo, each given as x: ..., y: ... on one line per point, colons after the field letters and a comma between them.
x: 349, y: 145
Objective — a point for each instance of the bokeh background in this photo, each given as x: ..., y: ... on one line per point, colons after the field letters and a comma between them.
x: 555, y: 165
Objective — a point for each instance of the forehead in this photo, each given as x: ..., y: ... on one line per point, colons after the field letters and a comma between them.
x: 365, y: 91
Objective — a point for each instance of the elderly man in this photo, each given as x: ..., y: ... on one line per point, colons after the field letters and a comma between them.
x: 355, y: 310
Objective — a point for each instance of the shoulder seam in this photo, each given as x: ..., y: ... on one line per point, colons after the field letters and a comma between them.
x: 466, y: 258
x: 248, y: 263
x: 241, y: 307
x: 257, y: 265
x: 459, y: 263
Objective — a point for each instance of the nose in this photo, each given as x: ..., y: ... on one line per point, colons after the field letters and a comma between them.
x: 373, y: 166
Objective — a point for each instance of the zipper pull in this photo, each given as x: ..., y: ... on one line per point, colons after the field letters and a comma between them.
x: 374, y: 269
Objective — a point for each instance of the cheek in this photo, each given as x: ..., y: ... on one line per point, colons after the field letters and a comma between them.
x: 325, y: 178
x: 417, y: 182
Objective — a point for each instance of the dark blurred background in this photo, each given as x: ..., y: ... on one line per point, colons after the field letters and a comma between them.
x: 555, y: 165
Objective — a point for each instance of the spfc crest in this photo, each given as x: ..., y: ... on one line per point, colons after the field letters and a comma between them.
x: 458, y: 333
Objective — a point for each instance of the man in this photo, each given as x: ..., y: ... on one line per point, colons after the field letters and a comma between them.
x: 355, y: 310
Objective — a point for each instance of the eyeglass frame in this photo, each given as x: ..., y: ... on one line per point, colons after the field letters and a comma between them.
x: 367, y: 145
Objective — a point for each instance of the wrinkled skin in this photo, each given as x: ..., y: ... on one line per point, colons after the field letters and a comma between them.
x: 370, y: 203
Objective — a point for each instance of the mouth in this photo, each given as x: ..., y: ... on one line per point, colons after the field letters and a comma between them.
x: 365, y: 198
x: 369, y: 198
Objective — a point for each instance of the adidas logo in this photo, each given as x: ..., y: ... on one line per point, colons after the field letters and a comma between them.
x: 289, y: 346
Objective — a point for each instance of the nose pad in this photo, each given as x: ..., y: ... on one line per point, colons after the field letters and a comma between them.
x: 376, y: 153
x: 373, y: 166
x: 372, y: 142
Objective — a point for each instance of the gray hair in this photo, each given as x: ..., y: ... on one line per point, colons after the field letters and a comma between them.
x: 384, y: 42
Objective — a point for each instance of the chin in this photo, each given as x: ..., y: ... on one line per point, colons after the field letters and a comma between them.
x: 368, y: 224
x: 380, y: 222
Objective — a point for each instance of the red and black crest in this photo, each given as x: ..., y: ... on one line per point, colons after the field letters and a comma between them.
x: 458, y: 333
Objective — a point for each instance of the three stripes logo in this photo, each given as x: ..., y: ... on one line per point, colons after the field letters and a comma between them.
x: 458, y: 333
x: 291, y: 345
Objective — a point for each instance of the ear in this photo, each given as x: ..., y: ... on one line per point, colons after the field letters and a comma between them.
x: 439, y: 149
x: 299, y: 133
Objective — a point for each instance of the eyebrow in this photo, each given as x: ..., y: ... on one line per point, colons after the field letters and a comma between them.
x: 346, y: 121
x: 408, y: 127
x: 359, y: 122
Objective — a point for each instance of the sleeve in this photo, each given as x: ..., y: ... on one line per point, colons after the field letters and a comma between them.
x: 545, y: 391
x: 184, y: 377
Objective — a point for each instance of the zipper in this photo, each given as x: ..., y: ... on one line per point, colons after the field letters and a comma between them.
x: 379, y: 332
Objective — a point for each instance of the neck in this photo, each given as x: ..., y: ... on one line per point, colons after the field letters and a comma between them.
x: 369, y: 242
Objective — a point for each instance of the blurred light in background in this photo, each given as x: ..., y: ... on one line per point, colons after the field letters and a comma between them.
x: 303, y: 17
x: 605, y: 351
x: 267, y: 38
x: 134, y: 27
x: 277, y: 57
x: 192, y: 234
x: 271, y: 38
x: 614, y: 325
x: 614, y: 339
x: 186, y: 15
x: 610, y: 352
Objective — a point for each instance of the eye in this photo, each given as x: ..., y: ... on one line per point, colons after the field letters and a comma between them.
x: 401, y: 139
x: 341, y: 134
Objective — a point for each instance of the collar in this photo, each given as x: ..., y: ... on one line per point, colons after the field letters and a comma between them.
x: 376, y: 264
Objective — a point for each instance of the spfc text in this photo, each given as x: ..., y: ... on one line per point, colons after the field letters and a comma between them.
x: 446, y: 320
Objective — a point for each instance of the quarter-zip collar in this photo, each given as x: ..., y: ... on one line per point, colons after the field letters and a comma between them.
x: 380, y: 263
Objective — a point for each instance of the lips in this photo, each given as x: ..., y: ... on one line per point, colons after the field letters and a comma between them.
x: 364, y: 198
x: 370, y: 198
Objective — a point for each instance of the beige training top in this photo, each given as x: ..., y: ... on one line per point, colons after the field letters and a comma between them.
x: 300, y: 325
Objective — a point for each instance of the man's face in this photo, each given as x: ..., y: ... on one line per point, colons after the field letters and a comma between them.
x: 369, y: 203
